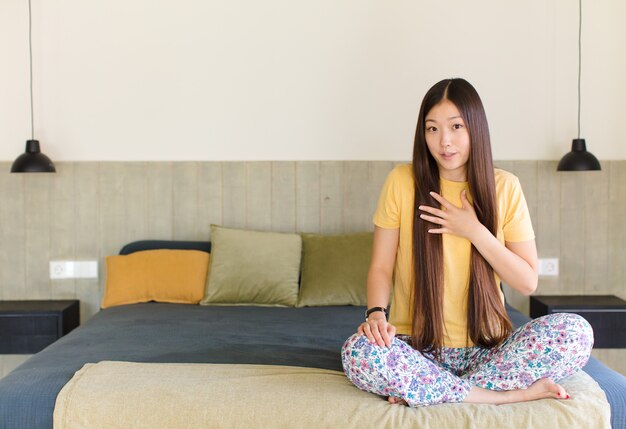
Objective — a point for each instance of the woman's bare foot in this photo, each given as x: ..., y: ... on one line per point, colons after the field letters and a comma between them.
x: 394, y: 400
x: 545, y: 388
x: 541, y: 389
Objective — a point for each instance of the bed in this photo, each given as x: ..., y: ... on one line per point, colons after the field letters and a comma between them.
x: 292, y: 354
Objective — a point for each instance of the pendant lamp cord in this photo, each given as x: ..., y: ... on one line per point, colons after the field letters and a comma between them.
x: 30, y: 46
x: 580, y: 24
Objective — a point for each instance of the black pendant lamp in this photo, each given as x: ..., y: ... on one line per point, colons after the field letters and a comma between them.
x: 579, y: 159
x: 32, y: 160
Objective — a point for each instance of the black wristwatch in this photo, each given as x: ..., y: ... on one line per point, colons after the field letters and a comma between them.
x: 374, y: 309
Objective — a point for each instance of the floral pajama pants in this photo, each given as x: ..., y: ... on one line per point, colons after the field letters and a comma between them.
x: 553, y: 346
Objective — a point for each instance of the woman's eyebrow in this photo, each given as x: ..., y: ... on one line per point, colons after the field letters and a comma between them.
x: 449, y: 119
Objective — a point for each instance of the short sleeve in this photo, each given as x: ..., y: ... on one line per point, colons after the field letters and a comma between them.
x: 517, y: 224
x: 387, y: 214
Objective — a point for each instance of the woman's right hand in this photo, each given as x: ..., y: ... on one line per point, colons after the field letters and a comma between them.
x: 377, y: 329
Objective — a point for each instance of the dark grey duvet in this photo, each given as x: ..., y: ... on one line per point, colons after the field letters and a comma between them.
x: 153, y: 332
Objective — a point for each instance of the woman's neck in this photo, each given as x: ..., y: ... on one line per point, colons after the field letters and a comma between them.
x: 453, y: 176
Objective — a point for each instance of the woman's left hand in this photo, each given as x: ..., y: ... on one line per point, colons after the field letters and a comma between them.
x: 461, y: 221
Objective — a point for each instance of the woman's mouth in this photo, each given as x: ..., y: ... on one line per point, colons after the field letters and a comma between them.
x: 447, y: 156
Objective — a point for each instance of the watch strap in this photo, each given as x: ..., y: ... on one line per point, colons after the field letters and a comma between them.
x: 374, y: 309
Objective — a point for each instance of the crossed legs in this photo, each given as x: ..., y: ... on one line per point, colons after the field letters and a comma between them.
x: 527, y: 366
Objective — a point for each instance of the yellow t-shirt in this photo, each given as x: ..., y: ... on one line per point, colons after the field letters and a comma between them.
x: 395, y: 210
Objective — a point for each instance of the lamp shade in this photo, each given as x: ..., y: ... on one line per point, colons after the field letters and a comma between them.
x: 32, y: 161
x: 578, y: 159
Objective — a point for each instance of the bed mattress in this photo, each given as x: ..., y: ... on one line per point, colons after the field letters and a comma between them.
x: 178, y: 333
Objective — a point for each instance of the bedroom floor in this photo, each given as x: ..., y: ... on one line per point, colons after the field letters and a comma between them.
x: 613, y: 358
x: 9, y: 362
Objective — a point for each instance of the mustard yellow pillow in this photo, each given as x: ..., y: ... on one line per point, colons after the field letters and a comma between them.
x: 176, y: 276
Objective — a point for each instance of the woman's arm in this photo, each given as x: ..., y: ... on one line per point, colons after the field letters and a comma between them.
x: 515, y: 263
x: 379, y: 285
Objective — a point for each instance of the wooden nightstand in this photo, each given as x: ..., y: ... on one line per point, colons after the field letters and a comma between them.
x: 605, y: 313
x: 27, y: 327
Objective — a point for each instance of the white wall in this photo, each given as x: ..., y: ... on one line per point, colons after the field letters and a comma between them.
x: 294, y: 80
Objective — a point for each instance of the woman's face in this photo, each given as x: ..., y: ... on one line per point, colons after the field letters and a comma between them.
x: 448, y: 140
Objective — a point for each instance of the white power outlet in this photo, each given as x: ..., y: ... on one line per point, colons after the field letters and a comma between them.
x: 58, y: 270
x: 73, y: 269
x: 549, y: 267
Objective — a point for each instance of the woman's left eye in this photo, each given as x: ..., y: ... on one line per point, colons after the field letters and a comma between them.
x: 457, y: 126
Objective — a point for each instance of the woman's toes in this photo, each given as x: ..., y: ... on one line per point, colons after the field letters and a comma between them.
x: 546, y: 388
x: 561, y: 393
x: 394, y: 400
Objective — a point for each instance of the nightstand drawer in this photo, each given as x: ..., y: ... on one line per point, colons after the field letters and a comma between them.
x: 27, y: 327
x: 27, y: 334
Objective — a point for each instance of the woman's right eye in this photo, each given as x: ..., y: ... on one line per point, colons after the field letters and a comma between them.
x: 431, y: 129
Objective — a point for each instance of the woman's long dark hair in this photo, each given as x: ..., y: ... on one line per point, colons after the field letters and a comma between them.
x: 487, y: 321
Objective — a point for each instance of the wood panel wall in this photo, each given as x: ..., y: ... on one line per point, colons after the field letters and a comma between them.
x: 88, y: 210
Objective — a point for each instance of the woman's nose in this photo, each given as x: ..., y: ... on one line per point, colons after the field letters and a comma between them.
x: 446, y: 139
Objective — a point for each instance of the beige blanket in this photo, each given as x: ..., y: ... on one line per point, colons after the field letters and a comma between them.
x: 126, y: 395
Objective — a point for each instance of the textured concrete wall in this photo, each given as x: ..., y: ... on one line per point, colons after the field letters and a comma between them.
x: 91, y: 209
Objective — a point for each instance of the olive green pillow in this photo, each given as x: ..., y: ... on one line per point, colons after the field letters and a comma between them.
x: 253, y: 268
x: 334, y: 269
